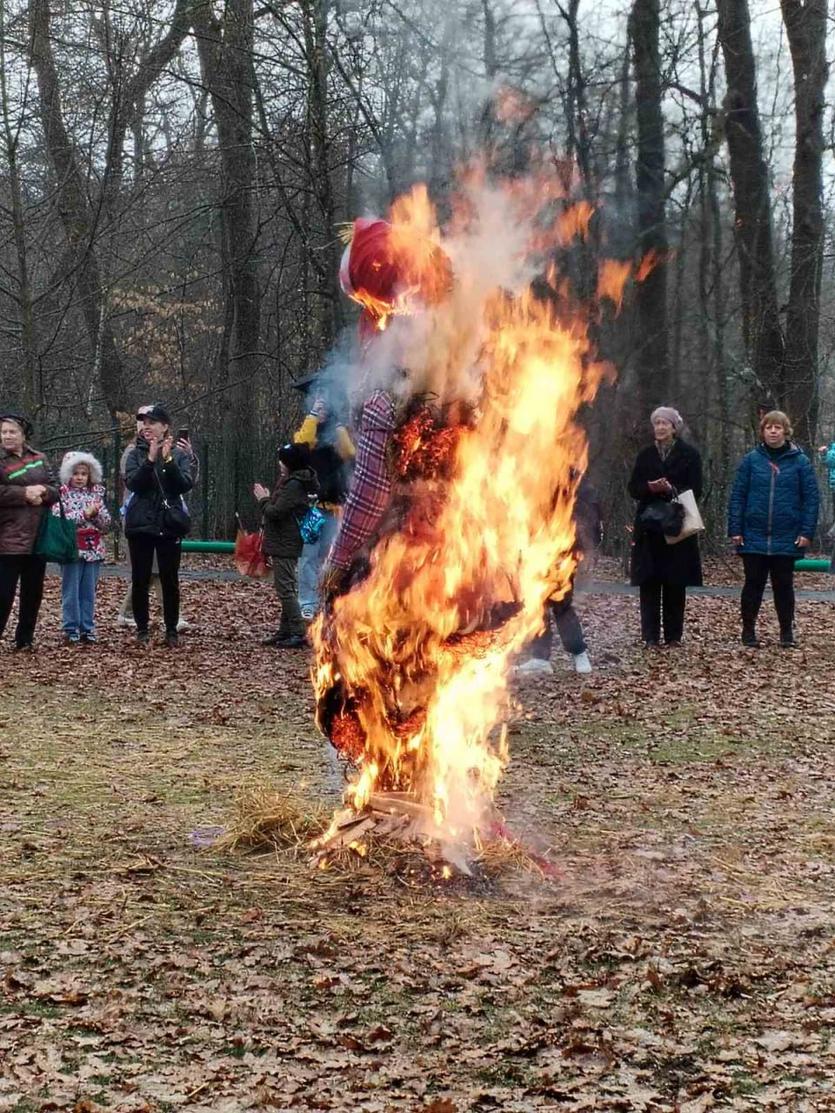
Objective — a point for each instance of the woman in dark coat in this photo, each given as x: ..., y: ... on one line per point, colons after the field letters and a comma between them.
x: 157, y: 474
x: 662, y: 571
x: 26, y: 487
x: 772, y: 516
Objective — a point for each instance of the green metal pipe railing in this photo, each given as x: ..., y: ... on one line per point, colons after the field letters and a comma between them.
x: 208, y: 546
x: 807, y: 564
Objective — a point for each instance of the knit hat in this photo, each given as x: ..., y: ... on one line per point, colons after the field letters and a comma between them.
x: 668, y: 414
x: 24, y: 422
x: 294, y: 456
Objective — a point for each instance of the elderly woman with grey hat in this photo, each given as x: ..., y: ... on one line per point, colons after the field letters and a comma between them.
x: 663, y: 571
x: 26, y: 487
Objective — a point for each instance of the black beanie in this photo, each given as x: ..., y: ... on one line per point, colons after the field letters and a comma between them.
x: 294, y: 456
x: 24, y: 422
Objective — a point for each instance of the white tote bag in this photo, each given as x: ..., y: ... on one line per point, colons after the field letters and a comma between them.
x: 692, y: 518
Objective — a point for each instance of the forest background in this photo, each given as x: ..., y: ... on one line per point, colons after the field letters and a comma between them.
x: 172, y: 175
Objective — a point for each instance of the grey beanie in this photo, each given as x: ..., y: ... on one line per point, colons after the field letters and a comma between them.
x: 669, y: 414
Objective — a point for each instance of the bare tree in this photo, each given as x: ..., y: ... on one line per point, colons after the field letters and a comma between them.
x: 761, y: 327
x: 654, y: 370
x: 805, y: 22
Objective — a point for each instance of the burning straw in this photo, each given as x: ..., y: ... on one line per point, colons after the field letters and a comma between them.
x: 413, y: 662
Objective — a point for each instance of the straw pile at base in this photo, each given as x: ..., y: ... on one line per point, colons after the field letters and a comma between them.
x: 268, y: 820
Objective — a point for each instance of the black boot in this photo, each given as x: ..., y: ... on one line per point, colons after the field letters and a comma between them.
x: 749, y: 637
x: 787, y: 639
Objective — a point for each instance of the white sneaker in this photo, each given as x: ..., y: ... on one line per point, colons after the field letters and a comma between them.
x: 308, y: 612
x: 123, y: 620
x: 534, y: 667
x: 181, y: 625
x: 582, y: 662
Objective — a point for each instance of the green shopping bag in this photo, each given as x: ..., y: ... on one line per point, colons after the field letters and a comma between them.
x: 56, y: 539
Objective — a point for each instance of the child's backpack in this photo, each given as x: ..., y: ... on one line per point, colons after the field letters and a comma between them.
x: 310, y: 525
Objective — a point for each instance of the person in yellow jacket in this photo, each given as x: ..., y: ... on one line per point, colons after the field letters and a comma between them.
x: 332, y: 452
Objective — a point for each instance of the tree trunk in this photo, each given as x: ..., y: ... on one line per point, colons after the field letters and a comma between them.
x: 76, y: 216
x: 315, y: 16
x: 651, y: 300
x: 11, y: 140
x: 225, y: 51
x: 761, y: 328
x: 806, y: 29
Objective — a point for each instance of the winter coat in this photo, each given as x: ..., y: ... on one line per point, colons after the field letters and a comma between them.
x: 75, y: 501
x: 652, y: 557
x: 774, y: 500
x: 19, y: 520
x: 282, y: 510
x: 144, y: 514
x: 829, y: 459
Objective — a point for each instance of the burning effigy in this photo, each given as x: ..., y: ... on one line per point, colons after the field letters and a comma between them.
x: 459, y: 524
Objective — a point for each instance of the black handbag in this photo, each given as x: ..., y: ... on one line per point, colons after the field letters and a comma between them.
x: 662, y: 517
x: 175, y: 520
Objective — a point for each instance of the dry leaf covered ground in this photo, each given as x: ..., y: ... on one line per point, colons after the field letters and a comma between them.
x: 681, y: 959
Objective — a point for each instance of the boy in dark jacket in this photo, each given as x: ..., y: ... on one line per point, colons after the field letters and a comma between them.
x: 297, y: 487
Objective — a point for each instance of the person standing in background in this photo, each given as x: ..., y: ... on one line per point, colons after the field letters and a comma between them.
x: 664, y: 572
x: 772, y: 517
x: 282, y: 510
x: 157, y: 473
x: 588, y: 524
x: 125, y: 616
x: 331, y: 453
x: 827, y: 454
x: 83, y: 500
x: 26, y: 487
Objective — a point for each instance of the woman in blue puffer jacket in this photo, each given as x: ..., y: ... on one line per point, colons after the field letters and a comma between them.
x: 772, y: 517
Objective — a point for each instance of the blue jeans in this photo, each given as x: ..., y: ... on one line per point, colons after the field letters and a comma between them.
x: 78, y: 596
x: 311, y: 561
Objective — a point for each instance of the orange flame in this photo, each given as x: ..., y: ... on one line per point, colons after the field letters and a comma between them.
x: 612, y: 276
x: 420, y: 650
x: 648, y: 263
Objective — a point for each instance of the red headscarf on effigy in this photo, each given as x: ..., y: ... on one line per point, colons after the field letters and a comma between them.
x: 383, y: 267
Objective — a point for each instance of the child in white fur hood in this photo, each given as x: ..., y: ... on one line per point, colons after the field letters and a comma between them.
x: 82, y: 496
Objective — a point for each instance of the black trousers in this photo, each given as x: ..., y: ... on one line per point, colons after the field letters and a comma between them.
x: 659, y: 598
x: 758, y: 567
x: 142, y: 547
x: 568, y: 628
x: 29, y: 570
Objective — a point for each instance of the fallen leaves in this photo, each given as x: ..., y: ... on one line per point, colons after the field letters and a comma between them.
x: 682, y: 962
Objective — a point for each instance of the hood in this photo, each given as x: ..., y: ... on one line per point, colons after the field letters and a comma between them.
x: 307, y: 477
x: 72, y: 458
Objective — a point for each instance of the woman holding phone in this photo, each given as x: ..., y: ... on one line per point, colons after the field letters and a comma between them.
x: 125, y: 616
x: 157, y: 474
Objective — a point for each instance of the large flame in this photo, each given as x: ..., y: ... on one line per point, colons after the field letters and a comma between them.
x: 420, y: 650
